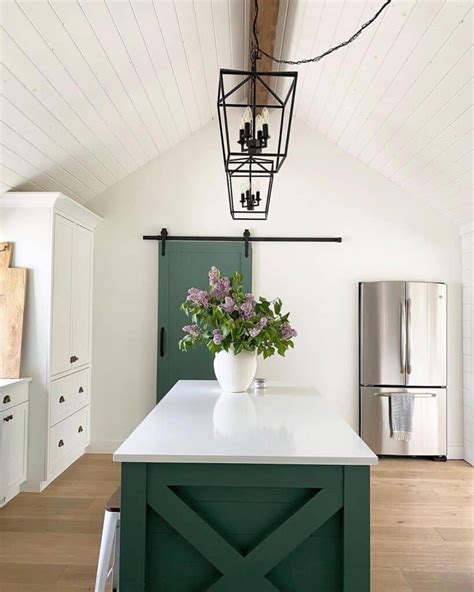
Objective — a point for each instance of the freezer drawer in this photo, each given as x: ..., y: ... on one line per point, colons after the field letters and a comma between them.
x: 429, y: 422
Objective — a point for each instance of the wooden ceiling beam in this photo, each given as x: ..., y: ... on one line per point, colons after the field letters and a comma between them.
x: 266, y: 30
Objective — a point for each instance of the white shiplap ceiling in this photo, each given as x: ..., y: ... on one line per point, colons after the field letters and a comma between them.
x: 92, y: 90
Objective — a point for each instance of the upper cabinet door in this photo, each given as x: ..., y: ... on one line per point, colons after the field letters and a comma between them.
x: 426, y: 334
x: 62, y: 286
x: 382, y: 333
x: 81, y: 296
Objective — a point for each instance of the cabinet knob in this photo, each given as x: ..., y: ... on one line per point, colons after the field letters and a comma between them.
x: 8, y: 418
x: 60, y: 443
x: 6, y: 399
x: 73, y: 359
x: 81, y: 390
x: 61, y: 399
x: 80, y: 429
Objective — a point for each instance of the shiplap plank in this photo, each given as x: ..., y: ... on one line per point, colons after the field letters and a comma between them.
x: 451, y: 161
x: 311, y: 14
x: 432, y: 128
x: 100, y: 19
x: 325, y: 37
x: 69, y: 138
x: 14, y: 180
x: 78, y: 27
x: 389, y: 79
x: 48, y: 23
x: 349, y: 22
x: 192, y: 46
x: 166, y: 14
x: 11, y: 138
x: 237, y: 19
x: 18, y: 163
x: 443, y: 44
x: 439, y: 143
x: 384, y: 34
x: 388, y: 143
x: 29, y: 129
x: 130, y: 33
x: 153, y: 36
x: 57, y: 83
x: 205, y: 25
x: 459, y: 170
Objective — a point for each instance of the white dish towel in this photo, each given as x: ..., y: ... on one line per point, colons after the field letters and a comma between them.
x: 401, y: 415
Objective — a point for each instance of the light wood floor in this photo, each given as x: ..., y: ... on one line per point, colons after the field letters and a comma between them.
x: 422, y: 528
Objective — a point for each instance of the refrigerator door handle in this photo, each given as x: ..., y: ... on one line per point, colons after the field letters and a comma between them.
x: 416, y: 396
x: 408, y: 336
x: 403, y: 337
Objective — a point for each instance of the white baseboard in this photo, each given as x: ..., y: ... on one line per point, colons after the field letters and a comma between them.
x: 455, y: 452
x: 103, y: 447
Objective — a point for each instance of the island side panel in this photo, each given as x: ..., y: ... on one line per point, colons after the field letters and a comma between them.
x: 356, y: 529
x: 273, y: 527
x: 133, y: 524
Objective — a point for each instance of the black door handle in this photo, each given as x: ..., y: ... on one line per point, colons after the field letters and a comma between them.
x: 162, y: 342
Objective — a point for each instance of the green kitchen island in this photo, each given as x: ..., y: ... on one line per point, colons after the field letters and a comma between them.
x: 252, y: 492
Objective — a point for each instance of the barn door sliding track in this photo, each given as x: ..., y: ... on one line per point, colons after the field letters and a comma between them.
x: 246, y: 238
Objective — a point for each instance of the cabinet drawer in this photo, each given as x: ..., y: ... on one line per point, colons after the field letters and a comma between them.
x: 66, y: 436
x: 68, y: 395
x: 13, y: 395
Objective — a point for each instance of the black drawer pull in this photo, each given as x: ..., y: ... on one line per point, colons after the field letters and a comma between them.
x: 162, y: 342
x: 80, y: 429
x: 8, y: 417
x: 81, y: 390
x: 6, y: 399
x: 60, y: 443
x: 73, y: 359
x: 61, y: 399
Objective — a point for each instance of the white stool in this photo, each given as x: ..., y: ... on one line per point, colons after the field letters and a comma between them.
x: 110, y: 542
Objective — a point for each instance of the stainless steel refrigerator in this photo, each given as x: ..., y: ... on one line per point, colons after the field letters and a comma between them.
x: 402, y: 349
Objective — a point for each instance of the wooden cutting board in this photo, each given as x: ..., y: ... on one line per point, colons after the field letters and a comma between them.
x: 12, y: 309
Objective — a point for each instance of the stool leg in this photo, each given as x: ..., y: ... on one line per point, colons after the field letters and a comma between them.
x: 116, y: 572
x: 106, y: 546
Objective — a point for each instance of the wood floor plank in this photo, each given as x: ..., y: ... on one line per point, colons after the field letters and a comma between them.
x: 422, y: 528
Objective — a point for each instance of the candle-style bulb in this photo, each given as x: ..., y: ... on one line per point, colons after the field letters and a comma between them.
x: 265, y: 115
x: 259, y: 123
x: 248, y: 115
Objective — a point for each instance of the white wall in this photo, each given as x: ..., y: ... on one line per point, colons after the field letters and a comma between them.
x: 320, y: 192
x: 467, y: 233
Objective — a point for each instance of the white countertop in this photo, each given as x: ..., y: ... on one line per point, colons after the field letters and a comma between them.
x: 6, y: 383
x: 197, y: 423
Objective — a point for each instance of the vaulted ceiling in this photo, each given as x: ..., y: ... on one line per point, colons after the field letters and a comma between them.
x: 92, y: 90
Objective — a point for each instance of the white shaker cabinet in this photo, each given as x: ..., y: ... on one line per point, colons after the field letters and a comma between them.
x: 13, y: 436
x: 53, y: 237
x: 72, y: 282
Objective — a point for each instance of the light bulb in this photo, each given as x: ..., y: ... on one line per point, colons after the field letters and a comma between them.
x: 259, y: 123
x: 265, y: 115
x: 248, y: 115
x: 242, y: 123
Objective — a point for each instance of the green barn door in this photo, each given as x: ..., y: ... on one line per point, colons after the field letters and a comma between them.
x: 186, y: 265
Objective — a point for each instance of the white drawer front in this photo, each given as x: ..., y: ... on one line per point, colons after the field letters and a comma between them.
x: 66, y: 436
x: 68, y: 395
x: 13, y: 395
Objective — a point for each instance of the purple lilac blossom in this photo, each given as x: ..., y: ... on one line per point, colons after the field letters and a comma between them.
x: 217, y: 337
x: 247, y: 309
x: 214, y: 275
x: 287, y: 331
x: 193, y: 330
x: 197, y: 296
x: 229, y: 305
x: 220, y: 288
x: 250, y: 297
x: 257, y: 329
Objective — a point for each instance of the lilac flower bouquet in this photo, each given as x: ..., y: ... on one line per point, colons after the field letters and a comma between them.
x: 225, y: 318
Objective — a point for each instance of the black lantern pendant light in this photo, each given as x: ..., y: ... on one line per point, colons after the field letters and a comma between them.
x: 255, y: 114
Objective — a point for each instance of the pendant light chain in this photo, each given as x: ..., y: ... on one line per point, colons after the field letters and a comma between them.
x: 256, y: 47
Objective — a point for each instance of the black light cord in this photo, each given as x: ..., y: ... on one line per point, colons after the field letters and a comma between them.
x: 318, y: 57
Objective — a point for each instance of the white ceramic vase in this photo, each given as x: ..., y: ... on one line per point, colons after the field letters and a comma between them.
x: 235, y: 372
